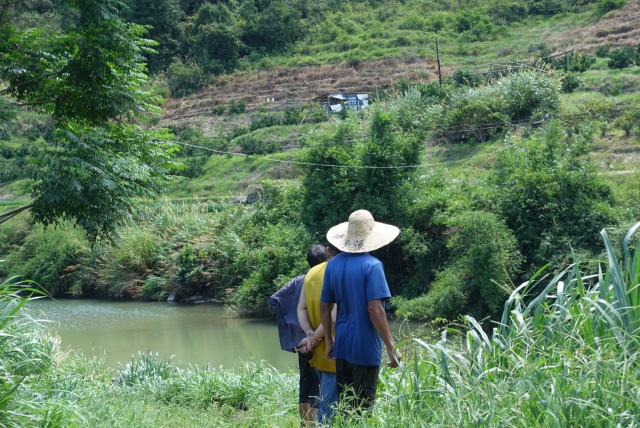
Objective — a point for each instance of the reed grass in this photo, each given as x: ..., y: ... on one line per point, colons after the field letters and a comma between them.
x: 568, y: 357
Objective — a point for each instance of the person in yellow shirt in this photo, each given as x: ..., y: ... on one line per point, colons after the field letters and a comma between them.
x: 311, y: 323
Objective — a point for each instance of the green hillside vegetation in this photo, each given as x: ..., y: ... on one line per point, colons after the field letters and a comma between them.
x: 495, y: 173
x: 514, y: 184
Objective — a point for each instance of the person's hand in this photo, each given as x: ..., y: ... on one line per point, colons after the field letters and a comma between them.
x: 304, y: 346
x: 394, y: 357
x: 329, y: 353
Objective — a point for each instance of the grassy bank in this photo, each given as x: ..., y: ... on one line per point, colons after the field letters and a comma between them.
x: 569, y: 357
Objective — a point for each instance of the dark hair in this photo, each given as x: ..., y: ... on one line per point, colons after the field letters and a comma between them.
x: 316, y: 255
x: 333, y: 250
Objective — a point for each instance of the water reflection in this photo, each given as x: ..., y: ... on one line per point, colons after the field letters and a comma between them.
x: 188, y: 334
x: 192, y: 334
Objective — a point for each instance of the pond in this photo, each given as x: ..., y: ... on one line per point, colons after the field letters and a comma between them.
x: 186, y: 334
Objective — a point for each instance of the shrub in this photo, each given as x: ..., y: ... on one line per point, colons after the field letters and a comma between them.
x: 49, y: 257
x: 529, y: 94
x: 447, y: 298
x: 570, y: 83
x: 276, y: 246
x: 264, y: 121
x: 293, y: 116
x: 237, y: 107
x: 252, y: 146
x: 622, y: 57
x: 318, y: 114
x: 604, y: 6
x: 474, y: 115
x: 482, y: 256
x: 184, y: 79
x: 603, y: 51
x: 474, y: 25
x: 626, y: 122
x: 551, y: 195
x: 218, y: 109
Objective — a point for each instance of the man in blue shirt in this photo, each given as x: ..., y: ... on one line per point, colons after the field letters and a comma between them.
x: 355, y: 281
x: 285, y: 304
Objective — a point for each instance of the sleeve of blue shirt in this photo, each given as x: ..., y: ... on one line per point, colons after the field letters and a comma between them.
x: 377, y: 287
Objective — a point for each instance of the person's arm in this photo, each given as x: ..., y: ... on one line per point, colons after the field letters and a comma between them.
x: 379, y: 319
x: 303, y: 314
x: 326, y: 311
x: 318, y: 335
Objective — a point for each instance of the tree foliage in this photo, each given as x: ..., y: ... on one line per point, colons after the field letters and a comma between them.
x: 90, y: 79
x: 551, y: 196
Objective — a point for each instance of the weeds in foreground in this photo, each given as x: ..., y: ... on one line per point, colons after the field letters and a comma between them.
x: 567, y: 357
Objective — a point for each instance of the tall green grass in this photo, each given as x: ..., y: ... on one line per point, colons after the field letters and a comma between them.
x: 568, y: 357
x: 31, y: 392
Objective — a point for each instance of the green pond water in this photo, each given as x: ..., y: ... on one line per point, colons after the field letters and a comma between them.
x: 187, y: 334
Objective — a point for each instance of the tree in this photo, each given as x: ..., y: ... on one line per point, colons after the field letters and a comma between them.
x: 272, y: 26
x: 214, y: 38
x: 551, y: 195
x: 162, y: 18
x: 90, y: 79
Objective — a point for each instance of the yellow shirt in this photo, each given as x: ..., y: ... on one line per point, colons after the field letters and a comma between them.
x: 313, y: 289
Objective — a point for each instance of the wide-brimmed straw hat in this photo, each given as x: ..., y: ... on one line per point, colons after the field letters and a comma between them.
x: 361, y: 233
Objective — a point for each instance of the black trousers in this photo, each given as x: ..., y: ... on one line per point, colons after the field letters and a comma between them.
x: 357, y: 385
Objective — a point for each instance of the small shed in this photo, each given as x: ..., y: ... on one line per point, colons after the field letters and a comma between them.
x: 332, y: 103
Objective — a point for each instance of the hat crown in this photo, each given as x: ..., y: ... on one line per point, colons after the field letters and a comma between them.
x: 361, y: 223
x: 361, y: 233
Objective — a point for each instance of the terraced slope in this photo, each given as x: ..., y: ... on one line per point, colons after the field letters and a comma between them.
x: 291, y: 84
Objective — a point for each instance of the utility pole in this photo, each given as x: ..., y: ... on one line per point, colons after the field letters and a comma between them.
x: 438, y: 59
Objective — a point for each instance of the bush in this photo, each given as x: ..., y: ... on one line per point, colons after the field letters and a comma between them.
x: 184, y: 79
x: 237, y: 107
x: 623, y: 57
x: 252, y: 146
x: 218, y: 109
x: 529, y: 94
x: 264, y: 121
x: 276, y: 246
x: 551, y: 195
x: 447, y: 298
x: 626, y: 122
x: 474, y: 25
x: 570, y: 83
x: 475, y: 114
x: 318, y: 114
x: 293, y: 116
x: 603, y: 51
x: 482, y: 256
x: 48, y: 257
x: 604, y: 6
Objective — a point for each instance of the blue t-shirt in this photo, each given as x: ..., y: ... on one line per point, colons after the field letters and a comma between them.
x: 285, y: 303
x: 351, y: 280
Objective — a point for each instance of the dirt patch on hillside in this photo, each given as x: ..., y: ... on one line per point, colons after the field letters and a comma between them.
x: 617, y: 28
x: 282, y: 85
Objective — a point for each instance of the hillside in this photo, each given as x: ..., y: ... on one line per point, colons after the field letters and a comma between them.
x: 297, y: 84
x: 285, y: 84
x: 619, y: 27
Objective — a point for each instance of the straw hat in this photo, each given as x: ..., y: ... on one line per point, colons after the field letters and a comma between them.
x: 361, y: 233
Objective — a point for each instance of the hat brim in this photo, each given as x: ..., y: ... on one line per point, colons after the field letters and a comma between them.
x: 381, y: 235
